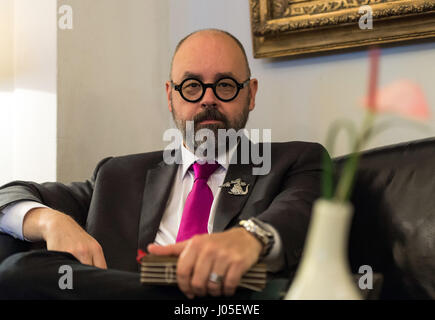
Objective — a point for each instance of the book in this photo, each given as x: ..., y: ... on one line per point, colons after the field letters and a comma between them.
x: 161, y: 270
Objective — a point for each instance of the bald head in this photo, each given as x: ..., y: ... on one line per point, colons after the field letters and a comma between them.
x: 212, y: 33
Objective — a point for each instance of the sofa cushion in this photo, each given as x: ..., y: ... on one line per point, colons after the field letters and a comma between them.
x: 393, y: 228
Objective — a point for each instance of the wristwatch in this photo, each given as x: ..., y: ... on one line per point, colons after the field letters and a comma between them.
x: 261, y: 232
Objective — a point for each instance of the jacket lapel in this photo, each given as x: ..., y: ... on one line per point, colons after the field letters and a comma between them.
x: 158, y: 185
x: 229, y: 205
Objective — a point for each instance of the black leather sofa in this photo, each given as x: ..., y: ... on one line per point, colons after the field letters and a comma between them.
x: 393, y: 228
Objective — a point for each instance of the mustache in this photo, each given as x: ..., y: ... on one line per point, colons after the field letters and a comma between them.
x: 210, y: 114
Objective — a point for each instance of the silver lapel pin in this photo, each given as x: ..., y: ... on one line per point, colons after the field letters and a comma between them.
x: 236, y: 187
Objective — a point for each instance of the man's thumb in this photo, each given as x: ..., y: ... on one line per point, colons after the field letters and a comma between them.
x: 172, y: 249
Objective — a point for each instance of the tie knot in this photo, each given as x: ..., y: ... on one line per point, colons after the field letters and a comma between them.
x: 204, y: 171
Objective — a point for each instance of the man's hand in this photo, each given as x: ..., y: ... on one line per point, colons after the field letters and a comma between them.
x: 62, y: 233
x: 228, y: 254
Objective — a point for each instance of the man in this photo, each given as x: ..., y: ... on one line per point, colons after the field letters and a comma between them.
x: 141, y: 202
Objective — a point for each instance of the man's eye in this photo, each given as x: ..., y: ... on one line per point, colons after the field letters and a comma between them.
x: 225, y: 85
x: 192, y: 84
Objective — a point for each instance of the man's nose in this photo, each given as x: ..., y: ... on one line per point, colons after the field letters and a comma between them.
x: 209, y: 99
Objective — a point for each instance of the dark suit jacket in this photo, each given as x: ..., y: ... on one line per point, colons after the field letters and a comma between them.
x: 122, y: 204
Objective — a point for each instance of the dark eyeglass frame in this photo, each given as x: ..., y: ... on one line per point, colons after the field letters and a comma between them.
x: 239, y: 86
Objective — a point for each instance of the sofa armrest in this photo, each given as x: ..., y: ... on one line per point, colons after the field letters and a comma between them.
x: 9, y: 245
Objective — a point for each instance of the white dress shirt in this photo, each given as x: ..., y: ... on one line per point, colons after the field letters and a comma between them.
x: 12, y: 217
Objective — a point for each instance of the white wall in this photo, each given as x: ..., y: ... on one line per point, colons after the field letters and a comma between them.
x: 112, y: 68
x: 299, y: 98
x: 6, y: 87
x: 28, y: 102
x: 6, y: 45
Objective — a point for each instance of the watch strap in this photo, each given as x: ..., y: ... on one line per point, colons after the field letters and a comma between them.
x: 259, y: 230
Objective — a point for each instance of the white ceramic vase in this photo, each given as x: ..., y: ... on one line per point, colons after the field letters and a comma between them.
x: 324, y: 271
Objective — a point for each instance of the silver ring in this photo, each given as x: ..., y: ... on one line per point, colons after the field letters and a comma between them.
x: 214, y: 277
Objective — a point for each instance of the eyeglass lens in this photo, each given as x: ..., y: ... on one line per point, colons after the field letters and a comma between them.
x: 225, y: 89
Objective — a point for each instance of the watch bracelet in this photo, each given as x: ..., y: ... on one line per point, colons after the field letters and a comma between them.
x: 259, y: 231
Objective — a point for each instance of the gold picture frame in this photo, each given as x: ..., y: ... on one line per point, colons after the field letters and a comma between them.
x: 296, y: 27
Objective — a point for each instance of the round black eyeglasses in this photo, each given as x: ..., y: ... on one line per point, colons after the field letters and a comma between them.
x: 225, y: 89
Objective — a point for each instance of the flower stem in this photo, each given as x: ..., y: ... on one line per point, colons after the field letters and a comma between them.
x: 346, y: 182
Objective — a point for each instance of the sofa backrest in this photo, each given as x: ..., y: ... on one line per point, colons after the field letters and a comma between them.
x: 393, y: 228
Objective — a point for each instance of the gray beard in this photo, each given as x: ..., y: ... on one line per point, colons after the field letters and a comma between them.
x: 204, y: 143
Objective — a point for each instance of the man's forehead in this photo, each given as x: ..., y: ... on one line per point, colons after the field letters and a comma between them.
x: 206, y: 54
x: 216, y: 76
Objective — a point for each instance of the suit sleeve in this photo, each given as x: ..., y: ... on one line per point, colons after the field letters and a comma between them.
x: 73, y: 199
x: 290, y: 211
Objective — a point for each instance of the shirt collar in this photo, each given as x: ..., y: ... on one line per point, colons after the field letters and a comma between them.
x: 188, y: 158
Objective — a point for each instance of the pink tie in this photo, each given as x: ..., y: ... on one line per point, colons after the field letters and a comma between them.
x: 198, y: 203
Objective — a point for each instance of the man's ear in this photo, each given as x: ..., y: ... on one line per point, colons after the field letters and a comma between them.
x: 253, y: 87
x: 169, y: 94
